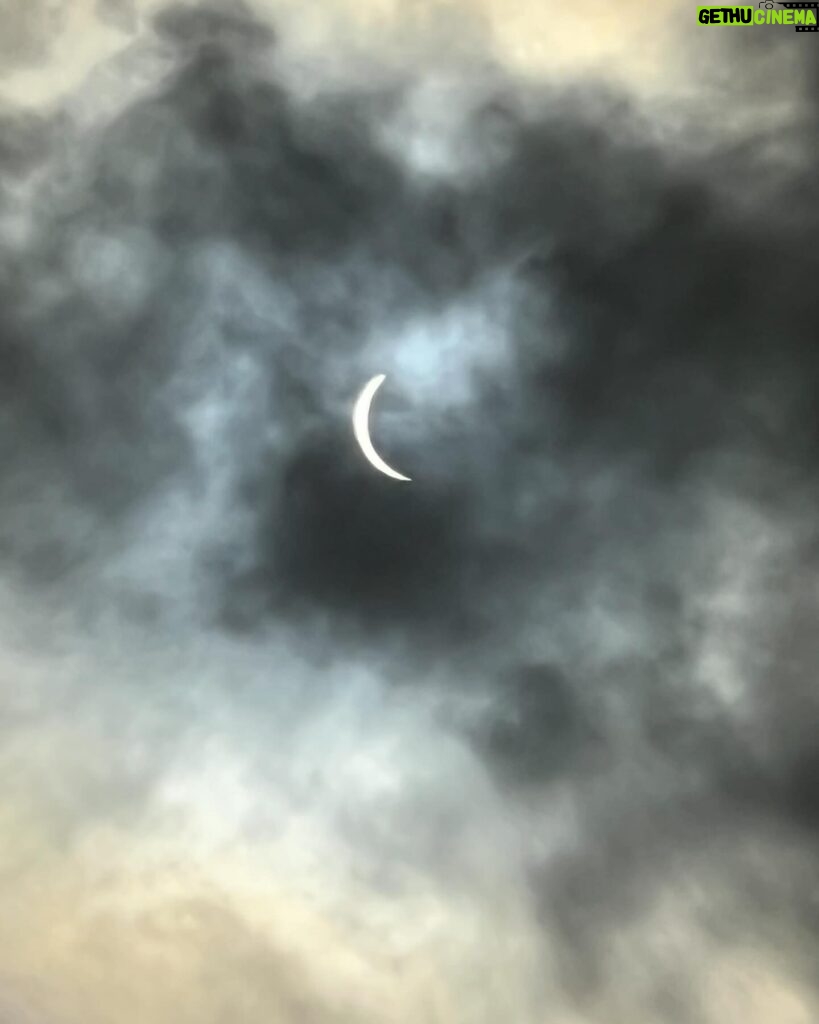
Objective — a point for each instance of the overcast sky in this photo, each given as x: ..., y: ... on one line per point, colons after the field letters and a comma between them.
x: 528, y: 740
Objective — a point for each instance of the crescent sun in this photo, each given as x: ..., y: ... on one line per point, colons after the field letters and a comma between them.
x: 361, y: 427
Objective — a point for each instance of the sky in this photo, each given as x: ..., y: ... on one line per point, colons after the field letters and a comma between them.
x: 529, y: 739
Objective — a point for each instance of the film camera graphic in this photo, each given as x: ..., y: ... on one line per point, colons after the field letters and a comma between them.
x: 808, y: 5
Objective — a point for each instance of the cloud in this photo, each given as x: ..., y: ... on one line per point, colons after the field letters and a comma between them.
x: 528, y: 735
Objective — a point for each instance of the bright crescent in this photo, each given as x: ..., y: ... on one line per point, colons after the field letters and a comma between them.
x: 361, y: 427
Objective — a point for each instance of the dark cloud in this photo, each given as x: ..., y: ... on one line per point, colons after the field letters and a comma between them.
x: 193, y: 28
x: 539, y: 730
x: 667, y: 299
x: 25, y: 141
x: 342, y: 538
x: 556, y: 549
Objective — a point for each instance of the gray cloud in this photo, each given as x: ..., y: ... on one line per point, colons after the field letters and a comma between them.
x: 566, y: 672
